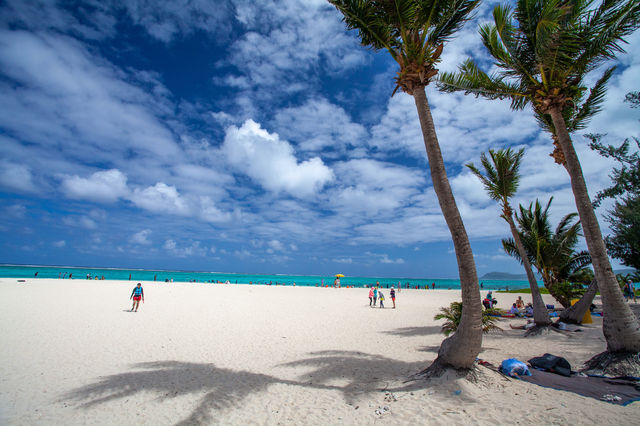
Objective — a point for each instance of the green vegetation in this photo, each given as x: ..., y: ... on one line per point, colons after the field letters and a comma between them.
x: 552, y: 252
x: 453, y: 315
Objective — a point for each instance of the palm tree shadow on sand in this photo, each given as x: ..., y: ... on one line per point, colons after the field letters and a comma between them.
x: 223, y: 388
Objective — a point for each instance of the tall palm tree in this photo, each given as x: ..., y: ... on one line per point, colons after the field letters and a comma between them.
x: 552, y: 253
x: 501, y: 178
x: 543, y: 50
x: 414, y: 33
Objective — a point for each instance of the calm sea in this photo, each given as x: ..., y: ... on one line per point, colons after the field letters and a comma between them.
x: 66, y: 272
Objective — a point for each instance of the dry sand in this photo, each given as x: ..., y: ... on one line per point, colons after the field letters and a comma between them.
x: 71, y: 353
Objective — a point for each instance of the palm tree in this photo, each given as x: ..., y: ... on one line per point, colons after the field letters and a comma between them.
x: 501, y: 179
x: 414, y: 33
x: 551, y: 252
x: 543, y: 50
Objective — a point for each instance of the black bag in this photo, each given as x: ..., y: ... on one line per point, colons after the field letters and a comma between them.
x: 552, y: 363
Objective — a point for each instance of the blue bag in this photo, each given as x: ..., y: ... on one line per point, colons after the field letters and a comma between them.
x: 513, y: 368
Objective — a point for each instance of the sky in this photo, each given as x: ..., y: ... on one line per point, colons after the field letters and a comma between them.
x: 254, y: 137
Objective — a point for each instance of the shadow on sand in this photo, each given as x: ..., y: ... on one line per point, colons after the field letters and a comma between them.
x: 220, y: 388
x: 415, y: 331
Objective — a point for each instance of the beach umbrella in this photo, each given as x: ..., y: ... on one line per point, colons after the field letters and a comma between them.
x: 339, y: 275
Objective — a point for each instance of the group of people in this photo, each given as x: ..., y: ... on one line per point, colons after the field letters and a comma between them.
x: 377, y: 297
x: 519, y: 309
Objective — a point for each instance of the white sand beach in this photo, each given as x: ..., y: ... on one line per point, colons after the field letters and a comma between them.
x: 71, y: 353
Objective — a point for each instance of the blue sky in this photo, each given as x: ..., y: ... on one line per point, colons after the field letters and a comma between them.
x: 243, y: 137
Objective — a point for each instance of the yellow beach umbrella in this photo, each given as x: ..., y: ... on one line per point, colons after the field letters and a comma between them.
x: 339, y: 275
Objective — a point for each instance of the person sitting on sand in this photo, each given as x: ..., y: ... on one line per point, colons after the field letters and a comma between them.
x: 393, y: 296
x: 528, y: 311
x: 519, y: 303
x: 371, y: 296
x: 136, y: 295
x: 514, y: 310
x: 381, y: 297
x: 489, y: 301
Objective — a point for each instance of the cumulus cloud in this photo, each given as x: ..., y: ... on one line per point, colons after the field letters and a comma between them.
x: 271, y: 162
x: 160, y: 198
x: 141, y: 237
x: 104, y: 186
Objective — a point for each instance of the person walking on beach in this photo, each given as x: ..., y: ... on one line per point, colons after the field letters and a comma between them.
x: 375, y: 296
x: 629, y: 292
x: 381, y: 297
x: 137, y: 294
x: 393, y: 296
x: 371, y: 296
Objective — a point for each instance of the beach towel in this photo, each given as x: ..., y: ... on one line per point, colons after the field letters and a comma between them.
x: 617, y: 390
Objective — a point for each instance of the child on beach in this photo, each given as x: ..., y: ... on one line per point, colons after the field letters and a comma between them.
x: 393, y: 296
x: 381, y: 297
x: 375, y: 296
x: 136, y: 295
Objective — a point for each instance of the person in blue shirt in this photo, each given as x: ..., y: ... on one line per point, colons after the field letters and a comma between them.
x: 137, y: 294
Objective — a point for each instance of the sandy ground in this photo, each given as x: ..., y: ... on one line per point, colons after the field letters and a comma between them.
x: 72, y: 353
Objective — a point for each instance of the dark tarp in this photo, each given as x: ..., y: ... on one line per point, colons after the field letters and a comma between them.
x: 617, y: 390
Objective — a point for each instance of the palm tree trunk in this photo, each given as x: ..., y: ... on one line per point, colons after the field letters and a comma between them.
x: 461, y: 349
x: 540, y: 314
x: 575, y: 313
x: 620, y: 326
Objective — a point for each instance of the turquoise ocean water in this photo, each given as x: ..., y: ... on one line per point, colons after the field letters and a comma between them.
x: 22, y: 271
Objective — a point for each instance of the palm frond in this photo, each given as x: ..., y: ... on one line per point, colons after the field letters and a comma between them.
x: 471, y: 79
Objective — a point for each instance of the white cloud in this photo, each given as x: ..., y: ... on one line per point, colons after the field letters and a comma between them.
x: 60, y: 243
x: 318, y: 125
x: 210, y: 213
x: 160, y: 198
x: 167, y: 20
x: 271, y: 162
x: 286, y: 41
x: 275, y: 245
x: 81, y: 100
x: 104, y: 186
x: 345, y: 260
x: 370, y: 187
x: 194, y: 249
x: 141, y: 237
x: 81, y: 221
x: 384, y: 258
x: 16, y: 177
